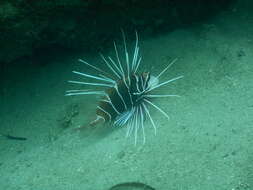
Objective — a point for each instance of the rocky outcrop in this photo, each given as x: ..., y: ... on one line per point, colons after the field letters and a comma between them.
x: 30, y: 28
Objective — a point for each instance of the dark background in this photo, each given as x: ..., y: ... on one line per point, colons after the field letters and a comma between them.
x: 38, y: 31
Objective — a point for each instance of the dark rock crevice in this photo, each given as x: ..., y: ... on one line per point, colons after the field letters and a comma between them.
x: 33, y: 28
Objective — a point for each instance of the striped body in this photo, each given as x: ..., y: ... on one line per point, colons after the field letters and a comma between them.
x: 126, y: 94
x: 123, y: 97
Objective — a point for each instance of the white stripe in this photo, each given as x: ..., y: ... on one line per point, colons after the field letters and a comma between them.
x: 136, y: 126
x: 136, y: 50
x: 142, y: 83
x: 123, y: 118
x: 160, y: 95
x: 94, y: 77
x: 88, y: 83
x: 109, y: 79
x: 159, y: 109
x: 167, y: 68
x: 127, y: 56
x: 72, y: 93
x: 142, y: 124
x: 130, y: 123
x: 152, y: 122
x: 135, y: 57
x: 113, y: 62
x: 137, y: 82
x: 96, y: 68
x: 117, y: 90
x: 110, y: 67
x: 138, y: 64
x: 128, y: 90
x: 117, y: 55
x: 146, y: 79
x: 166, y: 82
x: 110, y: 101
x: 105, y: 112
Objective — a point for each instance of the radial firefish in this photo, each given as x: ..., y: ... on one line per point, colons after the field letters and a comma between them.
x: 126, y: 94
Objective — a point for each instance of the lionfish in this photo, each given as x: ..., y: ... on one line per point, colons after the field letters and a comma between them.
x: 126, y: 94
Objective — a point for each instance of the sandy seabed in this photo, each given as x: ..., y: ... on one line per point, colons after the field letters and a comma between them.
x: 207, y: 143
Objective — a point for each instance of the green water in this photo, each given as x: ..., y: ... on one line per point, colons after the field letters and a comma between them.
x: 206, y: 144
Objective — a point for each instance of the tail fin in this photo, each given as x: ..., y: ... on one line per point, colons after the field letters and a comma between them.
x: 93, y: 123
x: 99, y: 119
